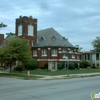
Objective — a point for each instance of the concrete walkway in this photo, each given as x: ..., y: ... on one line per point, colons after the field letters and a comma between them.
x: 70, y: 76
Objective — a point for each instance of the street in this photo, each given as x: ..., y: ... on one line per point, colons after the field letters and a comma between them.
x: 65, y: 89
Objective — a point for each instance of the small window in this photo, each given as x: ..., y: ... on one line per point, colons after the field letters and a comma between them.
x: 53, y: 38
x: 73, y: 56
x: 54, y: 52
x: 44, y: 52
x: 97, y: 56
x: 34, y: 52
x: 42, y: 38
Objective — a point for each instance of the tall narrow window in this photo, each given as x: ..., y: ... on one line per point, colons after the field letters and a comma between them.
x: 44, y: 52
x: 97, y: 56
x: 54, y: 52
x: 34, y: 52
x: 30, y: 30
x: 19, y: 30
x: 88, y: 57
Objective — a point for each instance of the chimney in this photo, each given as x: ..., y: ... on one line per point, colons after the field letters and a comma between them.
x: 1, y: 38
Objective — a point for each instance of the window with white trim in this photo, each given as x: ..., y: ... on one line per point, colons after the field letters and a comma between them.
x: 19, y: 30
x: 35, y: 52
x: 30, y: 30
x: 44, y: 52
x: 54, y: 52
x: 73, y: 56
x: 65, y: 56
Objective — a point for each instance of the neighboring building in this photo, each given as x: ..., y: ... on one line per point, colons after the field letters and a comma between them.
x: 92, y: 57
x: 46, y: 45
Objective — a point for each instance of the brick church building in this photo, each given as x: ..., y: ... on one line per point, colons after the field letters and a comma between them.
x: 46, y: 45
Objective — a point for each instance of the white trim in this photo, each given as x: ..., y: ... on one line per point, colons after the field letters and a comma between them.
x: 57, y: 60
x: 39, y: 48
x: 49, y: 48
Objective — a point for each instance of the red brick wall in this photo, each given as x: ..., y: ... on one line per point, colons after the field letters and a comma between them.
x: 1, y: 38
x: 25, y: 21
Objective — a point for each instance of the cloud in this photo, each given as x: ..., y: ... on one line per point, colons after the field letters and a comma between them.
x: 77, y: 20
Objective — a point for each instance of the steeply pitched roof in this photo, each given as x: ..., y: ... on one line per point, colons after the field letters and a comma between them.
x: 50, y: 37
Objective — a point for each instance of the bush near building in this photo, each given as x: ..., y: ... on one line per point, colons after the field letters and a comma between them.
x: 19, y: 68
x: 84, y: 64
x: 32, y: 64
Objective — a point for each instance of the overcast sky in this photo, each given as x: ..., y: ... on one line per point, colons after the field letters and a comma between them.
x: 77, y: 20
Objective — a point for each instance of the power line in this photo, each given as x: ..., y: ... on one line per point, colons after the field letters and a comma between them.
x: 7, y: 20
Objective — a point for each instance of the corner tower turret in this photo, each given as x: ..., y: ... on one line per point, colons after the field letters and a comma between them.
x: 26, y: 27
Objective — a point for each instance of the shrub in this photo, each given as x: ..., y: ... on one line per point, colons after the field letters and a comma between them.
x: 59, y: 66
x: 46, y: 66
x: 41, y: 67
x: 63, y: 65
x: 71, y: 65
x: 76, y: 65
x: 19, y: 68
x: 81, y: 65
x: 32, y: 64
x: 93, y: 66
x: 86, y: 64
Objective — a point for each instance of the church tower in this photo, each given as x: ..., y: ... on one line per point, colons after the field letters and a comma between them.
x: 26, y: 27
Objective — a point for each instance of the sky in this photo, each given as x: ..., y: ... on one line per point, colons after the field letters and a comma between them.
x: 77, y: 20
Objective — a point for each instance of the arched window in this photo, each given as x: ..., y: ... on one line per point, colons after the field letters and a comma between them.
x: 30, y: 30
x: 19, y: 30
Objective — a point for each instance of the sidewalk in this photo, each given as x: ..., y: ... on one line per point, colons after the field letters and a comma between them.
x: 70, y: 76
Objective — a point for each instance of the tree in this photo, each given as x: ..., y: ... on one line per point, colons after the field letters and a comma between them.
x: 15, y: 49
x: 10, y: 34
x: 96, y: 44
x: 2, y: 25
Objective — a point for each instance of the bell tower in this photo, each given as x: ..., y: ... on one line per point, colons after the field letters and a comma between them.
x: 26, y: 27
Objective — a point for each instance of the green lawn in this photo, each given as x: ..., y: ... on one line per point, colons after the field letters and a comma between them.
x: 59, y: 72
x: 19, y: 76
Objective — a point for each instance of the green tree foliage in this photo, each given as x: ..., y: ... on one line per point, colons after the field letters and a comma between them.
x: 10, y: 34
x: 96, y: 44
x: 15, y: 49
x: 31, y: 64
x: 2, y: 25
x: 84, y: 64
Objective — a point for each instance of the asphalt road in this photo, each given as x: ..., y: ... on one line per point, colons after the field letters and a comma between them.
x: 66, y: 89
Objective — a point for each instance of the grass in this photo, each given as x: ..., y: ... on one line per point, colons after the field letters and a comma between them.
x: 19, y: 76
x: 59, y: 72
x: 1, y: 68
x: 34, y: 73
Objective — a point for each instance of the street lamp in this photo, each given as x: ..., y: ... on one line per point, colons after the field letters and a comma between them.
x: 65, y: 55
x: 66, y: 58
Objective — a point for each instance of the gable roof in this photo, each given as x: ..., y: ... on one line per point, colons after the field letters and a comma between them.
x: 50, y: 37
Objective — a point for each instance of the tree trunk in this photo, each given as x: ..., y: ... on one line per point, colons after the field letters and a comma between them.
x: 10, y: 67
